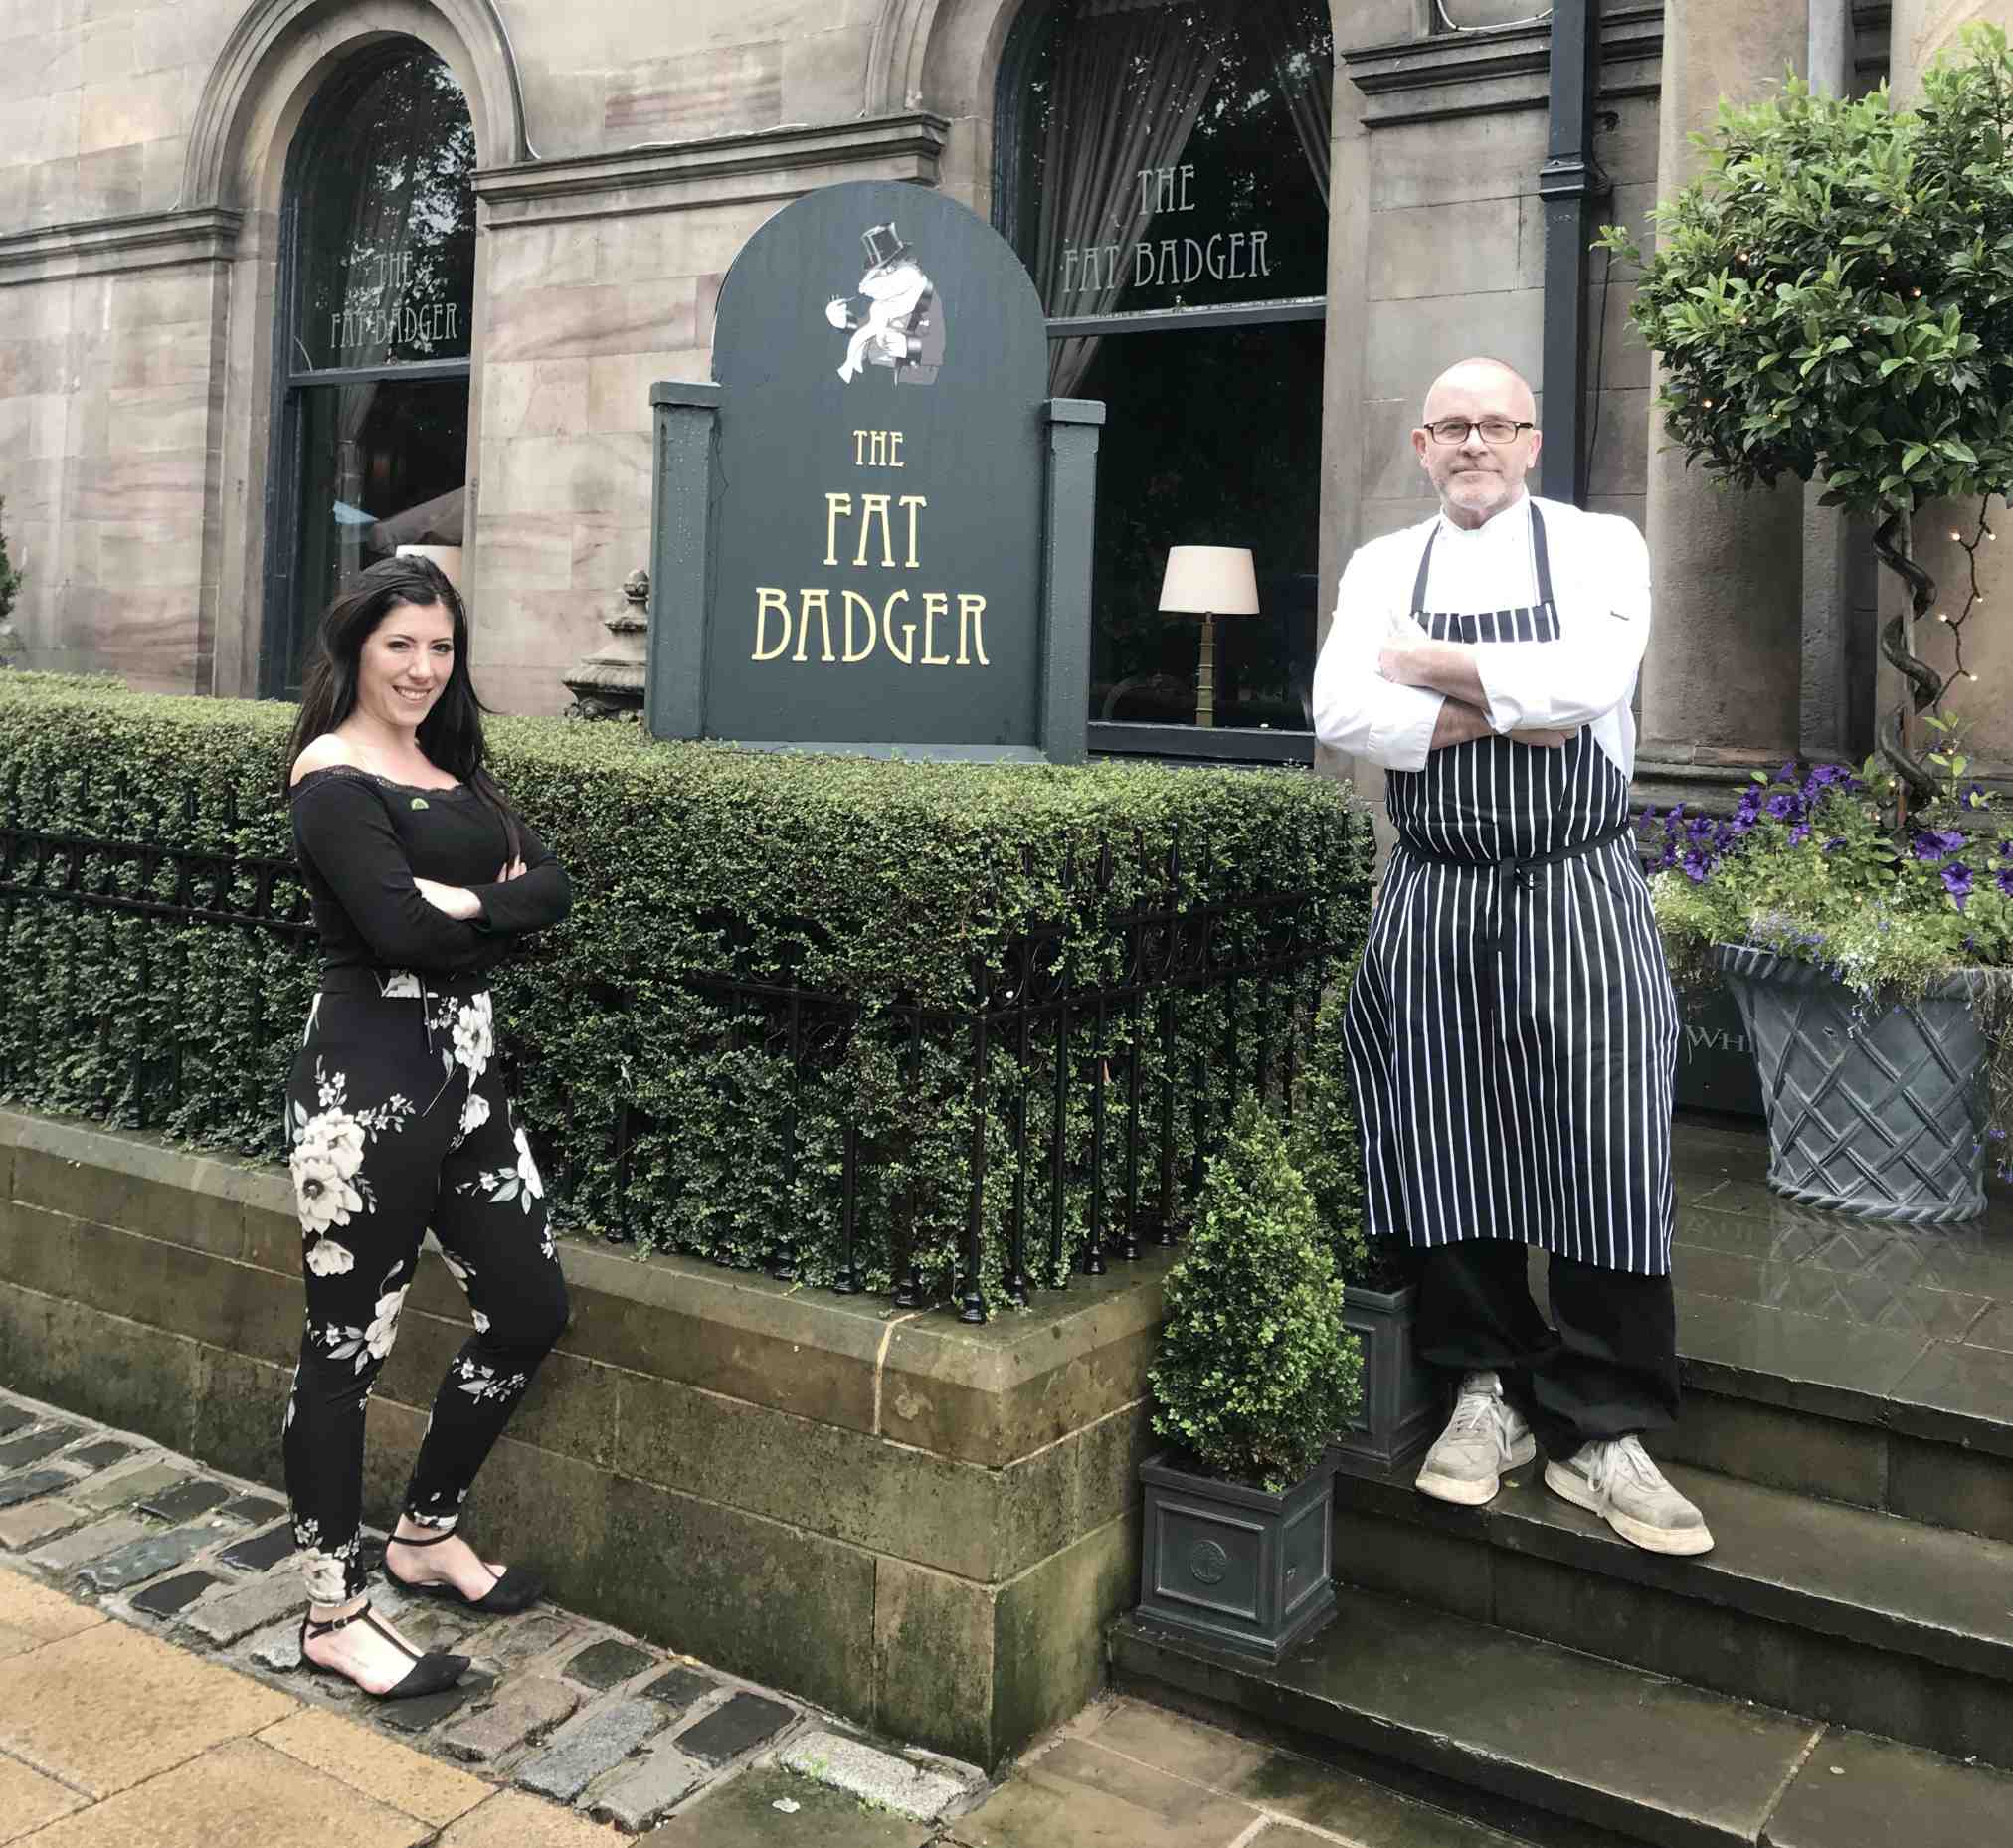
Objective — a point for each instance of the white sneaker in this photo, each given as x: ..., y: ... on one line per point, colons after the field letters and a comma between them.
x: 1615, y: 1478
x: 1485, y: 1436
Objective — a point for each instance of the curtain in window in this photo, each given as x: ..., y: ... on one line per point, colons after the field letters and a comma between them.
x: 1127, y: 85
x: 1302, y: 45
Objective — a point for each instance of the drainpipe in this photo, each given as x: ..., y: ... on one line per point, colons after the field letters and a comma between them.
x: 1569, y: 183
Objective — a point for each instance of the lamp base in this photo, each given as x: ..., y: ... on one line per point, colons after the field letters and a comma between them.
x: 1206, y: 677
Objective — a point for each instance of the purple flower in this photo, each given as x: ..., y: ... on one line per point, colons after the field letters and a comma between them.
x: 1800, y: 834
x: 1958, y: 881
x: 1698, y: 863
x: 1788, y: 774
x: 1939, y: 843
x: 1824, y: 776
x: 1973, y: 796
x: 2004, y: 877
x: 1702, y: 830
x: 1832, y: 846
x: 1786, y: 806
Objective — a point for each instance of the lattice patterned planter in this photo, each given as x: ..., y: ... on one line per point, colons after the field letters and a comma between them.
x: 1874, y: 1110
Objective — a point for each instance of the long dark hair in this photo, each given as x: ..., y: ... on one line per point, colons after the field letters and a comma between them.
x: 452, y: 732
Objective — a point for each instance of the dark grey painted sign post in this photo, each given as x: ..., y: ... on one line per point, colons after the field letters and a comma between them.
x: 872, y: 531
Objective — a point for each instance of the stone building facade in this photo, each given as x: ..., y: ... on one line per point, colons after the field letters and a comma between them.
x: 230, y: 371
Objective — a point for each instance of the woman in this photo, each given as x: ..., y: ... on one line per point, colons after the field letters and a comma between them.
x: 421, y: 877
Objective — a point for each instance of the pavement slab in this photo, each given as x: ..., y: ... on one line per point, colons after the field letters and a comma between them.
x: 173, y: 1594
x: 510, y: 1819
x: 14, y: 1418
x: 37, y: 1444
x: 16, y: 1491
x: 603, y: 1664
x: 744, y: 1722
x: 255, y: 1509
x: 242, y: 1795
x: 416, y: 1715
x: 63, y: 1557
x: 882, y: 1778
x: 261, y: 1552
x: 525, y: 1710
x: 100, y: 1455
x: 111, y: 1706
x: 770, y: 1809
x: 146, y: 1558
x: 635, y: 1795
x: 123, y: 1487
x: 28, y: 1800
x: 1081, y: 1792
x: 238, y: 1613
x: 45, y: 1615
x: 678, y: 1687
x: 381, y: 1768
x: 186, y: 1502
x: 587, y: 1746
x: 516, y: 1641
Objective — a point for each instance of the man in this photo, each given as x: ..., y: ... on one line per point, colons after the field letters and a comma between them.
x: 1513, y: 1034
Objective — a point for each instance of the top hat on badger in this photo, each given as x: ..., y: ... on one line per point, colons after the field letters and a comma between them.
x: 885, y: 246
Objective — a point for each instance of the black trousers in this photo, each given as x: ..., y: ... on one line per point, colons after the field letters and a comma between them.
x: 1609, y: 1370
x: 399, y: 1122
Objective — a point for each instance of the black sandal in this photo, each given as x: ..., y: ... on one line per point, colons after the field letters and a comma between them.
x: 428, y: 1674
x: 513, y: 1590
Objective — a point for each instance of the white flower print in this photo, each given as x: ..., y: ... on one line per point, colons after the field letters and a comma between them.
x: 474, y: 1035
x: 527, y: 1171
x: 326, y: 1259
x: 481, y: 1321
x: 480, y: 1382
x: 401, y: 985
x: 384, y: 1328
x: 457, y: 1268
x: 322, y: 1195
x: 474, y: 1113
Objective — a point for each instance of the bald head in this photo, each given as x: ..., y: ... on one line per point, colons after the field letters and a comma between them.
x: 1481, y: 375
x: 1477, y: 478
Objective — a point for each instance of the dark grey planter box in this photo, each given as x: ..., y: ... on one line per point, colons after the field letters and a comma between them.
x: 1404, y: 1402
x: 1234, y: 1566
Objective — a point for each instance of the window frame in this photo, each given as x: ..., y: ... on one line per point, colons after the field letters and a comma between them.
x: 283, y: 621
x: 1109, y: 737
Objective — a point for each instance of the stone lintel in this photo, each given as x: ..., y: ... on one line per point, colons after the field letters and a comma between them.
x: 733, y: 169
x: 94, y: 246
x: 1492, y: 70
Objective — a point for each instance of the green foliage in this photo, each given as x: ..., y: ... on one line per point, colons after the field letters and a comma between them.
x: 1256, y: 1373
x: 1326, y: 1143
x: 895, y: 886
x: 1832, y: 299
x: 1808, y: 866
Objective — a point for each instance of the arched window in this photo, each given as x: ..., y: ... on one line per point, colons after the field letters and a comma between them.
x: 377, y: 282
x: 1163, y: 170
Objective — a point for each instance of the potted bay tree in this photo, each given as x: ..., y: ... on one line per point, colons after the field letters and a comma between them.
x: 1256, y: 1373
x: 1832, y: 300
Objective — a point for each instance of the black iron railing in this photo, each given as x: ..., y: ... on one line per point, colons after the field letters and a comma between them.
x: 1055, y: 1121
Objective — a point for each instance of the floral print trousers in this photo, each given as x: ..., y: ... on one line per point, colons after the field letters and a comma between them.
x: 398, y: 1122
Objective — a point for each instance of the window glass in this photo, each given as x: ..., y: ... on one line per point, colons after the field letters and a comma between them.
x: 388, y: 224
x: 1213, y: 437
x: 1173, y: 155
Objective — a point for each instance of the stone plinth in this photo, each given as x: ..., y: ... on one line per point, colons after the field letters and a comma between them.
x: 920, y: 1525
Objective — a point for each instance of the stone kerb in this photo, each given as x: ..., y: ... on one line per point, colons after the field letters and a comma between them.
x: 918, y: 1523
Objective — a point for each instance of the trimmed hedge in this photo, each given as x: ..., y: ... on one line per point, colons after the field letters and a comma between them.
x: 662, y: 1107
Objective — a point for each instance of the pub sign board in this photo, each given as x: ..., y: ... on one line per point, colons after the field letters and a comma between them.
x: 877, y: 461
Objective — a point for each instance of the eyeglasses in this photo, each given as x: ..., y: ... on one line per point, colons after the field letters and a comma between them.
x: 1496, y: 431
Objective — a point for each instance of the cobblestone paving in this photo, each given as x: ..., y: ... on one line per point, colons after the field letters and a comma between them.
x: 559, y: 1707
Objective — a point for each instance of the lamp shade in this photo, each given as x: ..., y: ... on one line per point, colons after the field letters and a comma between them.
x: 1210, y: 580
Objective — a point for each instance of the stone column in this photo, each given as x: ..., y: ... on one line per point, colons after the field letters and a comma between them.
x: 1722, y: 683
x: 1921, y: 30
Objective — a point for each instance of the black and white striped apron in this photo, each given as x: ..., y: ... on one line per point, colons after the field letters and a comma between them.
x: 1513, y: 1032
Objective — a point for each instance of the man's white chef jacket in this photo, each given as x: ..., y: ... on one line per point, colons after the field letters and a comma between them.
x: 1600, y: 580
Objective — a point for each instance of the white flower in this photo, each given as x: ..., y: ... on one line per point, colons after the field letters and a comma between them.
x: 327, y: 1575
x: 481, y: 1321
x: 321, y: 1196
x: 326, y: 1259
x: 455, y: 1269
x: 474, y: 1040
x: 476, y: 1112
x: 527, y: 1169
x: 384, y: 1327
x: 334, y: 1136
x: 402, y: 984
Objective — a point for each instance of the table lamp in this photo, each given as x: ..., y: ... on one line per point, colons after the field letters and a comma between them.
x: 1208, y: 581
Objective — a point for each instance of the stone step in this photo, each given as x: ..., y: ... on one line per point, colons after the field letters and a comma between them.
x: 1815, y: 1608
x: 1568, y: 1748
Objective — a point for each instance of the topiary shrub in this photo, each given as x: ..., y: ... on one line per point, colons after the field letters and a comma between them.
x: 10, y: 587
x: 1256, y: 1373
x: 1326, y: 1144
